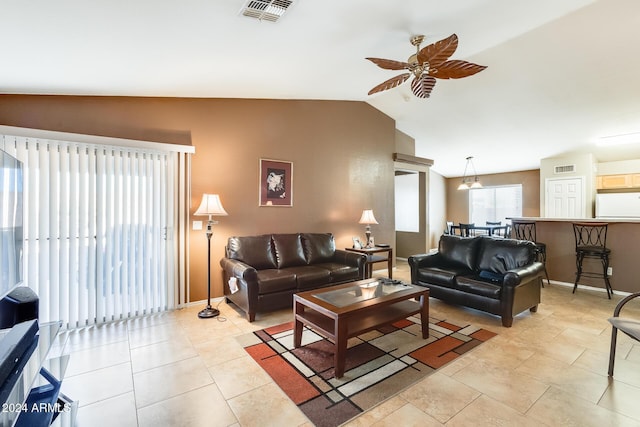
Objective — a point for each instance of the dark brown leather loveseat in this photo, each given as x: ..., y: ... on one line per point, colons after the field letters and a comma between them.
x: 495, y: 275
x: 270, y: 268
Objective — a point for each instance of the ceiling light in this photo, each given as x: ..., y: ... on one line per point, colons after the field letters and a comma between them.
x: 467, y: 181
x: 627, y: 138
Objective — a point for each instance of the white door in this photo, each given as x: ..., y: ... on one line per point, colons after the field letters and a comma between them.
x: 565, y: 198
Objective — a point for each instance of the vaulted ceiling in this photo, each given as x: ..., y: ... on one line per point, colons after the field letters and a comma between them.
x: 560, y: 74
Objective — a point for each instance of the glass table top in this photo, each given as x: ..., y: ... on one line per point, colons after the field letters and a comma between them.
x: 357, y: 293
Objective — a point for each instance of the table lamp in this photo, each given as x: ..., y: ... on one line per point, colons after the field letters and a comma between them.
x: 368, y: 218
x: 210, y: 206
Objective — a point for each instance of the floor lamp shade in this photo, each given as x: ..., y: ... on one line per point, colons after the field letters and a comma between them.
x: 210, y: 206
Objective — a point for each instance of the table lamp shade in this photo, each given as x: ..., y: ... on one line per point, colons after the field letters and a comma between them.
x: 211, y: 205
x: 367, y: 217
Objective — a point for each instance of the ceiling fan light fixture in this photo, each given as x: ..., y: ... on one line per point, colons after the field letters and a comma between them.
x: 426, y: 65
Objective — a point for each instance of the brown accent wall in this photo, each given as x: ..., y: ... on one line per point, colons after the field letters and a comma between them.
x: 622, y: 238
x: 458, y: 200
x: 341, y: 153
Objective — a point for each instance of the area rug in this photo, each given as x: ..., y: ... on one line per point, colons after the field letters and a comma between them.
x: 378, y: 364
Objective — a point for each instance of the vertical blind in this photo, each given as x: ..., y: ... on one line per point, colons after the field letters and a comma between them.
x: 103, y: 232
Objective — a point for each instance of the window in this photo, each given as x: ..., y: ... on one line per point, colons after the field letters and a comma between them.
x: 100, y: 228
x: 495, y: 203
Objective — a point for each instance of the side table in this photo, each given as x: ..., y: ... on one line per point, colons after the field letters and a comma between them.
x: 372, y: 258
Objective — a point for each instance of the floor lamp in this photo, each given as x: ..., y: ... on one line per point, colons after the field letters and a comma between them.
x: 210, y: 206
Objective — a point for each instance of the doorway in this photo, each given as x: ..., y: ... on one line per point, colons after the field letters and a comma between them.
x: 565, y: 198
x: 410, y: 212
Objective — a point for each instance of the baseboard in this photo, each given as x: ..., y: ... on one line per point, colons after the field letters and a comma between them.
x: 214, y: 301
x: 587, y: 287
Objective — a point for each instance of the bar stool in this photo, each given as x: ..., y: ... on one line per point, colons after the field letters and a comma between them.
x: 591, y: 242
x: 526, y: 230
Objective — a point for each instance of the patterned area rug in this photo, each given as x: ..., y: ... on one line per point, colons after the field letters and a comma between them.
x: 378, y: 365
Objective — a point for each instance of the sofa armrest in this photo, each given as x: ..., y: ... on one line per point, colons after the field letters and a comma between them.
x: 423, y: 261
x: 521, y: 275
x: 239, y: 269
x: 353, y: 259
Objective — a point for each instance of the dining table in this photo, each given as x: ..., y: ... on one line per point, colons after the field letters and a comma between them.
x: 475, y: 230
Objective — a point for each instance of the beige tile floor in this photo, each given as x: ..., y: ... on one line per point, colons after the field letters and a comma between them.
x: 174, y: 369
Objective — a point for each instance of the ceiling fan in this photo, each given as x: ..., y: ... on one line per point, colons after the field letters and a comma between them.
x: 426, y: 65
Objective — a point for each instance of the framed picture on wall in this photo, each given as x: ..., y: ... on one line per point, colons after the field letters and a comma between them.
x: 276, y: 183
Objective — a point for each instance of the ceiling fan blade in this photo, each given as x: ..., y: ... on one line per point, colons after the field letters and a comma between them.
x: 455, y: 69
x: 439, y: 51
x: 389, y: 64
x: 422, y: 86
x: 390, y: 84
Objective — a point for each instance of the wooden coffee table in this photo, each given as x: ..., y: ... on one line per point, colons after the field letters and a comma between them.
x: 344, y: 311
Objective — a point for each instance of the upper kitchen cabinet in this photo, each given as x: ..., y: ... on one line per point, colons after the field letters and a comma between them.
x: 619, y: 181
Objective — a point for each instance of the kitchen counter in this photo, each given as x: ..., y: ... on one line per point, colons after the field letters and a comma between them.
x: 572, y: 220
x: 623, y: 238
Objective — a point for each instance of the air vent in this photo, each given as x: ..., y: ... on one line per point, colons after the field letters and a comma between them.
x: 565, y: 169
x: 266, y: 10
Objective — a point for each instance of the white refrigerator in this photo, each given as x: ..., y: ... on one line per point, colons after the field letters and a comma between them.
x: 618, y: 205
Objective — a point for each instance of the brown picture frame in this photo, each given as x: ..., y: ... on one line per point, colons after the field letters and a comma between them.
x: 276, y: 183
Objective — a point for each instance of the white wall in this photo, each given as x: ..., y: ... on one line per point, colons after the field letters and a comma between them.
x: 619, y: 167
x: 585, y: 166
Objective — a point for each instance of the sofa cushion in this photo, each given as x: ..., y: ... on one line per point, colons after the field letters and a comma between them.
x: 310, y: 276
x: 318, y: 247
x: 274, y: 280
x: 289, y: 252
x: 440, y: 276
x: 340, y: 272
x: 501, y: 255
x: 459, y: 251
x: 253, y: 250
x: 476, y: 285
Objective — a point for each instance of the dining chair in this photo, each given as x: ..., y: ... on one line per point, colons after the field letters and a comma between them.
x: 500, y: 232
x: 629, y: 326
x: 466, y: 230
x: 449, y: 229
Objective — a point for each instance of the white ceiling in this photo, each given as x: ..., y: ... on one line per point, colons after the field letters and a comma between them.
x: 560, y: 72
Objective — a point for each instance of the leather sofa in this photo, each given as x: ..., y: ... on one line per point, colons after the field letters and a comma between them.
x: 270, y: 268
x: 495, y: 275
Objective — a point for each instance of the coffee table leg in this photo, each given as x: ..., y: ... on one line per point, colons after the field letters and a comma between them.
x: 341, y: 347
x: 297, y: 327
x: 424, y: 315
